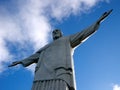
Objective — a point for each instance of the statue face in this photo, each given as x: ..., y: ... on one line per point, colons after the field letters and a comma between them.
x: 56, y: 34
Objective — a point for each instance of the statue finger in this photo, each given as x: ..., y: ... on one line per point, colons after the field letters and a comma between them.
x: 11, y: 65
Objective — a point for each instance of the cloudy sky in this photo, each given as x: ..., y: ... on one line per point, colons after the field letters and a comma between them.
x: 26, y: 25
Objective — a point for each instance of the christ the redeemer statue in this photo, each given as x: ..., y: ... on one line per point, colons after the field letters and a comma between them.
x: 55, y: 68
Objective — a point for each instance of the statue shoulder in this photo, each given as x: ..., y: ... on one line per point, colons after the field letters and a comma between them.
x: 43, y: 48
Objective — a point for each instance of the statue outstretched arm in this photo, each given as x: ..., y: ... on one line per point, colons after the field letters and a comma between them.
x: 79, y: 37
x: 27, y: 61
x: 31, y: 59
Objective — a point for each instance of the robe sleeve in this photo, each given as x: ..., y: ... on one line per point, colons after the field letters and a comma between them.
x: 31, y: 59
x: 79, y: 37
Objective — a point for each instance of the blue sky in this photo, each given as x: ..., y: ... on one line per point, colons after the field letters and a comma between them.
x: 25, y: 26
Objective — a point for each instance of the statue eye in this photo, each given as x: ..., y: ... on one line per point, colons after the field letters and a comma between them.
x: 54, y: 32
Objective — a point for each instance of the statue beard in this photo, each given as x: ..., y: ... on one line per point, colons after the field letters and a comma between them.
x: 56, y: 37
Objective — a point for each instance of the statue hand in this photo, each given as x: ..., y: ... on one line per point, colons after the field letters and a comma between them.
x: 15, y: 63
x: 105, y: 14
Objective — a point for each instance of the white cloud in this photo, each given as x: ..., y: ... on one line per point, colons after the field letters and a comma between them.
x: 116, y: 87
x: 30, y: 23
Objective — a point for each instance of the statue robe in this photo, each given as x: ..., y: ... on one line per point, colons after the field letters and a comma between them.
x: 54, y: 61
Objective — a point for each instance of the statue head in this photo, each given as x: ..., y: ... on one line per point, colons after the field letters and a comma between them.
x: 56, y: 34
